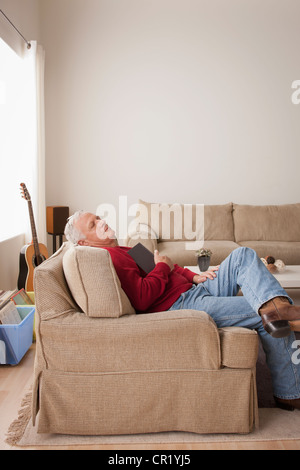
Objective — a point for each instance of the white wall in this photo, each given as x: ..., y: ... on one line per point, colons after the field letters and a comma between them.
x: 171, y: 100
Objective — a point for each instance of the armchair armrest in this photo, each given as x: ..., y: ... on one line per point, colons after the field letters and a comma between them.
x: 239, y: 347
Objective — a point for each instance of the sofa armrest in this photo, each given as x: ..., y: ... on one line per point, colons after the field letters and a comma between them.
x: 173, y: 340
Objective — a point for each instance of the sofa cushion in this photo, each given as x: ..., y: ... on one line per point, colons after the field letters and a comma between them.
x: 171, y: 221
x: 93, y: 282
x: 272, y: 223
x: 177, y: 339
x: 181, y: 253
x: 218, y: 222
x: 187, y: 222
x: 288, y: 252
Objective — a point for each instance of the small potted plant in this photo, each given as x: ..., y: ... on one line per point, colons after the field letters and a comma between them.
x: 203, y: 259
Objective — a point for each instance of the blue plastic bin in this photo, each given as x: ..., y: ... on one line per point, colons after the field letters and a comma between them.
x: 18, y: 338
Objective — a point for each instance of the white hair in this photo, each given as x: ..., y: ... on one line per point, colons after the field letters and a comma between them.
x: 71, y: 232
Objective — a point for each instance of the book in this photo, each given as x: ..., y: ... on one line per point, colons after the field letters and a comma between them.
x: 143, y: 257
x: 21, y: 298
x: 5, y: 297
x: 9, y: 315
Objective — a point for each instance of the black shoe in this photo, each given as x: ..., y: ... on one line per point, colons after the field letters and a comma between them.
x: 288, y: 405
x: 279, y: 317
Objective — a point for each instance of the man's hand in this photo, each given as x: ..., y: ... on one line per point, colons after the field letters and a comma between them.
x: 198, y: 278
x: 163, y: 259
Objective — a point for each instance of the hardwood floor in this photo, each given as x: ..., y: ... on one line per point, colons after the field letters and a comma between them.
x: 16, y: 380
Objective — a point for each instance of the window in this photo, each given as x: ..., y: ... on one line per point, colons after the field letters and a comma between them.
x: 17, y: 143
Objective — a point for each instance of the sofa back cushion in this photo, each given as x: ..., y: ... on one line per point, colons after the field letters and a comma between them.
x: 187, y: 222
x: 267, y: 223
x: 94, y: 284
x: 218, y: 222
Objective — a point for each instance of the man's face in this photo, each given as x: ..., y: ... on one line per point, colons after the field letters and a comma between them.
x: 96, y: 231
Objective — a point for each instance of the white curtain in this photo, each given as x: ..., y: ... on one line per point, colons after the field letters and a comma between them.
x: 39, y: 200
x: 35, y: 63
x: 22, y: 141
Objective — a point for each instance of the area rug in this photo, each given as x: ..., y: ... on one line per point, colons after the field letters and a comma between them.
x: 274, y: 424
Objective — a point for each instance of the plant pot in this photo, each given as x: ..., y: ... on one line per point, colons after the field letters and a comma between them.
x: 203, y: 263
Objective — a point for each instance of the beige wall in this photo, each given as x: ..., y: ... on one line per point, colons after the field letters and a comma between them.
x: 171, y: 100
x: 25, y: 15
x: 167, y: 100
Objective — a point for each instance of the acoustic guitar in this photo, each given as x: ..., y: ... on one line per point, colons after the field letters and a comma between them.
x: 31, y: 255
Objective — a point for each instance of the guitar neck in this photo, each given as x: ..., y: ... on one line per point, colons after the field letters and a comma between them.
x: 33, y: 230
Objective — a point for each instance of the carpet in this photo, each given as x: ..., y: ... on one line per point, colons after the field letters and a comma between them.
x: 274, y: 424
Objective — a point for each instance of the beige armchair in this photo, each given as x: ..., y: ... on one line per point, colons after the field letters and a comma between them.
x: 102, y: 369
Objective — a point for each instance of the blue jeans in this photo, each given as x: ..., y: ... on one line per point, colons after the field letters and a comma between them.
x: 243, y: 269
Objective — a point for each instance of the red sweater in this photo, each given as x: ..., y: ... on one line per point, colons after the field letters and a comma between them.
x: 153, y: 292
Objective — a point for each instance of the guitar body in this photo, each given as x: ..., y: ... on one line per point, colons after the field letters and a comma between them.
x: 28, y: 263
x: 31, y: 255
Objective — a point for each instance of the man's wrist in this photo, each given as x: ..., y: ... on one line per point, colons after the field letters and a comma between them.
x: 163, y: 266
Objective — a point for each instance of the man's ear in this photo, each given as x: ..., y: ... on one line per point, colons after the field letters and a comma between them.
x: 82, y: 242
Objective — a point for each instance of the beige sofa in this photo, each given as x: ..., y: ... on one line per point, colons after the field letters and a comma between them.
x: 102, y: 369
x: 174, y: 229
